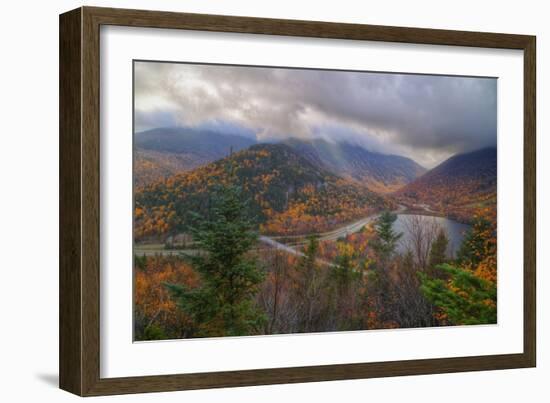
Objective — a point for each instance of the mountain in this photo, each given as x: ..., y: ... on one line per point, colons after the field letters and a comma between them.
x: 183, y: 140
x: 150, y: 165
x: 165, y: 151
x: 287, y: 193
x: 381, y: 173
x: 457, y: 187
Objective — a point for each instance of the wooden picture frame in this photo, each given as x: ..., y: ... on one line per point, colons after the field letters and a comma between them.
x: 79, y: 346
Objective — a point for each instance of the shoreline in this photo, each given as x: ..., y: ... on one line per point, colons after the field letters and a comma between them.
x: 300, y: 238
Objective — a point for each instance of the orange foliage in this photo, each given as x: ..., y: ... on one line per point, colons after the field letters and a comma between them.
x: 487, y: 268
x: 152, y: 301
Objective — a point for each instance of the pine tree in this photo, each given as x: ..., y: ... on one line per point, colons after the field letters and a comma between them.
x: 465, y: 299
x: 343, y: 283
x: 465, y: 293
x: 381, y: 287
x: 307, y: 263
x: 438, y: 252
x: 224, y: 303
x: 343, y: 273
x: 386, y: 239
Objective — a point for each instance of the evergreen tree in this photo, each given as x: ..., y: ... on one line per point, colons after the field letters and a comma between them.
x: 343, y: 283
x: 386, y: 240
x: 380, y: 287
x: 307, y: 263
x: 343, y: 273
x: 154, y: 332
x: 224, y: 303
x: 465, y: 299
x: 438, y: 252
x: 465, y: 292
x: 140, y: 262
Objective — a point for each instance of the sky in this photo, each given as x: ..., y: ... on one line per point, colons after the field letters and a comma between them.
x: 424, y: 117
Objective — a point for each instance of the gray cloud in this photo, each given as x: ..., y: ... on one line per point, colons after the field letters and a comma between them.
x: 427, y: 118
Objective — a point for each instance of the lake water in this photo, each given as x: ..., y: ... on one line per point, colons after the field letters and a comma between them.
x: 455, y: 231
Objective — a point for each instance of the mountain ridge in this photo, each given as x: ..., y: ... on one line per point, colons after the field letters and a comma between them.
x: 287, y: 193
x: 162, y: 152
x: 165, y: 151
x: 382, y: 173
x: 458, y: 186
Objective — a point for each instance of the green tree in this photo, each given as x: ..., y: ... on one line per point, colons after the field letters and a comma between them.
x: 154, y: 332
x: 343, y: 285
x: 438, y: 252
x: 465, y: 299
x: 343, y: 274
x: 308, y: 262
x: 223, y: 305
x: 140, y: 262
x: 386, y: 239
x: 381, y: 288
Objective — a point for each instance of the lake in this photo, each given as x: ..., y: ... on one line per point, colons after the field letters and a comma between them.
x: 455, y: 231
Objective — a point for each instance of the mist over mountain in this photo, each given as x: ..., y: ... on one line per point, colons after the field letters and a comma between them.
x: 166, y: 151
x: 207, y: 143
x: 379, y: 172
x: 162, y: 152
x: 425, y: 117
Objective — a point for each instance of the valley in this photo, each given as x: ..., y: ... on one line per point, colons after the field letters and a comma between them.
x: 456, y: 188
x: 298, y: 188
x: 315, y: 212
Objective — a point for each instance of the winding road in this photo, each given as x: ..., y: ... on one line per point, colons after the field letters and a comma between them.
x: 288, y: 249
x: 291, y: 249
x: 324, y: 236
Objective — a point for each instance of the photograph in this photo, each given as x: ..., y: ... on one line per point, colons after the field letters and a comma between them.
x: 273, y: 200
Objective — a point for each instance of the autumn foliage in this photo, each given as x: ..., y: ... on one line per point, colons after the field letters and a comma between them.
x: 156, y: 315
x: 467, y: 292
x: 287, y: 195
x: 225, y: 281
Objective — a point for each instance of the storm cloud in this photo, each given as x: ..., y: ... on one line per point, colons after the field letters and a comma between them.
x: 424, y: 117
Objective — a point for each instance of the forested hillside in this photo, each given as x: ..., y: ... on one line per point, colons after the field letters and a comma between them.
x: 458, y: 187
x: 285, y: 194
x: 162, y: 152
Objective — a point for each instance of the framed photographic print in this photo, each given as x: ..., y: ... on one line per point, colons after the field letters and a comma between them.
x: 249, y: 201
